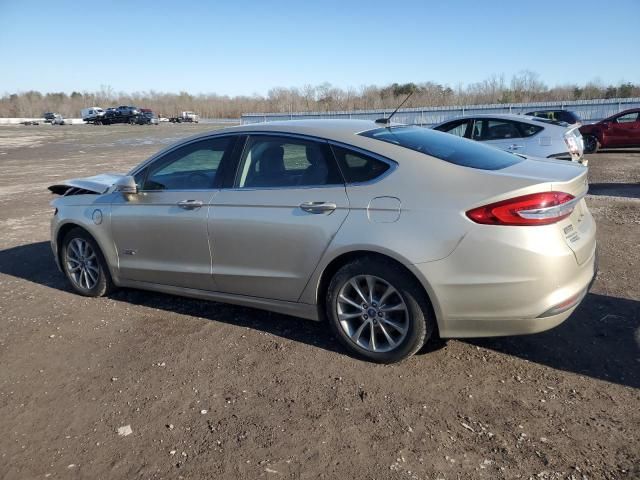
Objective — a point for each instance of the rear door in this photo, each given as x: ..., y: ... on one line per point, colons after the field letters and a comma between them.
x: 270, y: 229
x: 161, y: 232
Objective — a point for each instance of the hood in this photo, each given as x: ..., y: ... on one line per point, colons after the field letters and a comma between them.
x: 97, y: 184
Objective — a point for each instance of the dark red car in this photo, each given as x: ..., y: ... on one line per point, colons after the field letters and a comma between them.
x: 619, y: 130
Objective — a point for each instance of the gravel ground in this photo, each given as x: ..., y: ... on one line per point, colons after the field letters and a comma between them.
x: 144, y: 385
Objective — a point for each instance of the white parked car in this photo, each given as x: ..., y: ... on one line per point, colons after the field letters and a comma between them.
x: 92, y: 113
x: 531, y: 136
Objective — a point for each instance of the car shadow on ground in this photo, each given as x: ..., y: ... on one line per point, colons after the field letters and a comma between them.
x: 628, y: 190
x: 618, y: 150
x: 600, y: 340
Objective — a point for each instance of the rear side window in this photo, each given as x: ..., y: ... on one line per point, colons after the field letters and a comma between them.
x: 529, y: 130
x: 357, y: 167
x: 449, y: 148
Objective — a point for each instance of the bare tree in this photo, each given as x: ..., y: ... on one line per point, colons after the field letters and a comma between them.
x: 526, y: 86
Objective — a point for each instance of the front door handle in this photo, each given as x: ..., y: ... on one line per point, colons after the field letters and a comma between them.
x: 515, y: 147
x: 190, y: 204
x: 318, y: 207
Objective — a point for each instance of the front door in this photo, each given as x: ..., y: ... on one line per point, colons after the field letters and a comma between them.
x: 624, y: 131
x: 269, y: 231
x: 161, y: 232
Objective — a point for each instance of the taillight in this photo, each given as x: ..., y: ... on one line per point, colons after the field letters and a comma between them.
x: 541, y: 208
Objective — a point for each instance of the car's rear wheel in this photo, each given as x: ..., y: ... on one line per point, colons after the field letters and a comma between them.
x: 590, y: 144
x: 378, y: 311
x: 84, y: 264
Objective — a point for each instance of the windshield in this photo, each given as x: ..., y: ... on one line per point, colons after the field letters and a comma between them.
x: 447, y: 147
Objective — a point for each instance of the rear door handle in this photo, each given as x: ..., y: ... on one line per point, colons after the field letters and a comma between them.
x: 515, y: 147
x: 190, y: 204
x: 318, y: 207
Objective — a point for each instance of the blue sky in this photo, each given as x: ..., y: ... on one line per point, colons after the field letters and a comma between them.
x: 243, y: 47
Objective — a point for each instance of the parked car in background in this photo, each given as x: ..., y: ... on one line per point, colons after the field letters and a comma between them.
x: 58, y: 120
x: 125, y: 110
x: 146, y: 117
x: 532, y: 136
x: 92, y: 114
x: 373, y: 229
x: 185, y: 117
x: 49, y: 116
x: 567, y: 116
x: 616, y: 131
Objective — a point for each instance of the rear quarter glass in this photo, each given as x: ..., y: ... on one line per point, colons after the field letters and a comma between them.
x: 446, y: 147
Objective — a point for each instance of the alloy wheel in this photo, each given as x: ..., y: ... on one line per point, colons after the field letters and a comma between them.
x: 590, y: 143
x: 82, y: 264
x: 372, y: 313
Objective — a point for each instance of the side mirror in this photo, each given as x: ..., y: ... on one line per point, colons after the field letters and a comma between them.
x: 126, y: 184
x: 606, y: 125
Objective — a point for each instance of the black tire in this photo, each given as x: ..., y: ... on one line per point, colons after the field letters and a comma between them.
x: 591, y: 144
x: 103, y: 283
x: 417, y: 319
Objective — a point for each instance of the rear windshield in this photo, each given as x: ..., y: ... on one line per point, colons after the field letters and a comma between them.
x: 566, y: 116
x: 447, y: 147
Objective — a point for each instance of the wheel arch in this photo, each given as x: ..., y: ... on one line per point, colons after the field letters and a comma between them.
x: 346, y: 257
x: 64, y: 230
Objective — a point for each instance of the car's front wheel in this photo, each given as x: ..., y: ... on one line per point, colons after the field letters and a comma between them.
x: 590, y: 144
x: 378, y: 311
x: 84, y: 265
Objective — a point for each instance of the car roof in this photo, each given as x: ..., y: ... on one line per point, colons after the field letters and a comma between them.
x: 332, y: 129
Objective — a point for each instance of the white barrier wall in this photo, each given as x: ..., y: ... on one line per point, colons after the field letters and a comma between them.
x: 18, y: 121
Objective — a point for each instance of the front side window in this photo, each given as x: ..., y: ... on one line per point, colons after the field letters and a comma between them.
x: 271, y: 161
x: 449, y: 148
x: 192, y: 167
x: 628, y: 118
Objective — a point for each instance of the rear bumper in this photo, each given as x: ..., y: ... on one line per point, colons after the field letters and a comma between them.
x: 501, y: 328
x: 487, y: 288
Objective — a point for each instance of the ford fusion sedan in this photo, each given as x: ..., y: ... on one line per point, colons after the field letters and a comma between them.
x: 533, y: 136
x: 617, y: 131
x: 390, y: 234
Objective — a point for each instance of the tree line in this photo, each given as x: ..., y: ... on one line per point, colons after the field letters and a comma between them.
x: 523, y: 87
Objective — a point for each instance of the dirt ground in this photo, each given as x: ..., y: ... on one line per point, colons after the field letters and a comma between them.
x: 217, y: 391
